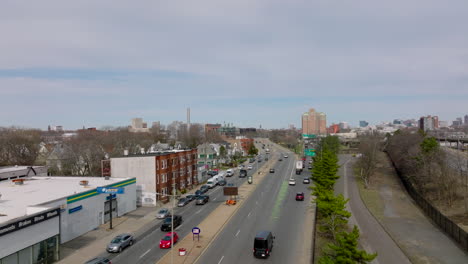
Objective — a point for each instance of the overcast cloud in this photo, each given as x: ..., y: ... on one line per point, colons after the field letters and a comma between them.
x: 247, y: 62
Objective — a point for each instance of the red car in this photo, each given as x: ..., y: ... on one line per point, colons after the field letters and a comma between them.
x: 300, y: 196
x: 167, y: 240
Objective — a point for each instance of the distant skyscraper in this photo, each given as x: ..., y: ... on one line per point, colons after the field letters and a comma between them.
x: 343, y: 125
x: 314, y: 122
x: 427, y: 123
x: 137, y: 123
x: 363, y: 123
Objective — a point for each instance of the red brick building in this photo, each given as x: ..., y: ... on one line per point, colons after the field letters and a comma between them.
x: 156, y: 173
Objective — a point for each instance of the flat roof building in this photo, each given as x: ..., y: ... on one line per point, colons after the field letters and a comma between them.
x: 38, y: 213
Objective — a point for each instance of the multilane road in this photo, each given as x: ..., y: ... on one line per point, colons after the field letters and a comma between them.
x: 146, y: 248
x: 271, y: 207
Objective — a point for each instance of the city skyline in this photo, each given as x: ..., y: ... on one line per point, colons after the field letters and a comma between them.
x: 95, y: 63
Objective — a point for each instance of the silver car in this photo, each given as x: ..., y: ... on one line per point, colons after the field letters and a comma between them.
x: 163, y: 213
x: 119, y: 243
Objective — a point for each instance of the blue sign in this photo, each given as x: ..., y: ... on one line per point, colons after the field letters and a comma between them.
x: 118, y: 190
x: 75, y: 209
x: 196, y: 230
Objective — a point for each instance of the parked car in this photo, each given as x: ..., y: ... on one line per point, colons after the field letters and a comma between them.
x: 190, y: 197
x: 229, y: 172
x: 167, y: 224
x: 163, y: 213
x: 272, y: 170
x: 203, y: 199
x: 204, y: 188
x: 119, y: 243
x: 182, y: 202
x: 198, y: 193
x: 292, y: 182
x: 99, y: 260
x: 300, y: 196
x: 222, y: 182
x: 212, y: 173
x: 166, y: 241
x: 306, y: 181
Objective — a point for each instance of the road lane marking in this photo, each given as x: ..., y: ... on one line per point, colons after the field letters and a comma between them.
x: 249, y: 214
x: 147, y: 251
x: 214, y: 199
x: 237, y: 232
x: 221, y: 259
x: 198, y: 211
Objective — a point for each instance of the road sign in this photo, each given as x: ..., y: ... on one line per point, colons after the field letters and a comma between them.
x: 310, y: 152
x: 309, y: 136
x: 196, y: 230
x: 118, y: 190
x: 230, y: 191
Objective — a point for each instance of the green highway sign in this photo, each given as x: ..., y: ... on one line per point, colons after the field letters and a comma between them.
x: 309, y: 136
x: 310, y: 152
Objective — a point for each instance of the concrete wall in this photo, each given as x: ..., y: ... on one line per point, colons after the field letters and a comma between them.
x: 141, y: 168
x: 29, y: 236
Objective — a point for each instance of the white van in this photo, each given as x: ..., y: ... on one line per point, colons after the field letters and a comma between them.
x: 212, y: 182
x: 229, y: 173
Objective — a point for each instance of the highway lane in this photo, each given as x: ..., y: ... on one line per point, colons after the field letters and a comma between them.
x: 272, y: 207
x: 146, y: 248
x: 373, y: 237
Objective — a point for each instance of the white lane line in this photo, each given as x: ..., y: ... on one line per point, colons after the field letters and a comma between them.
x: 214, y: 199
x: 198, y: 211
x: 147, y: 251
x: 220, y: 260
x: 249, y: 214
x: 238, y: 231
x: 256, y: 202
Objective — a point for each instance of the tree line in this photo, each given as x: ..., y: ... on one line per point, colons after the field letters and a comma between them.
x: 332, y: 216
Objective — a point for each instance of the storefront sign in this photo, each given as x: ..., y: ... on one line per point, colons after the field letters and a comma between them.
x: 118, y: 190
x: 26, y: 222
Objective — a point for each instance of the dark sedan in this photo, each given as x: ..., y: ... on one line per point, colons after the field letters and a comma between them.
x: 203, y: 199
x: 167, y: 224
x: 182, y: 202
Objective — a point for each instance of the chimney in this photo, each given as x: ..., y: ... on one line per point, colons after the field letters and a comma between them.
x: 84, y: 183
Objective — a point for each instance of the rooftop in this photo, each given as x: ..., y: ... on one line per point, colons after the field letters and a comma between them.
x: 19, y: 200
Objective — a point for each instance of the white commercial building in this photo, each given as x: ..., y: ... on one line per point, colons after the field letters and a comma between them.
x: 38, y: 213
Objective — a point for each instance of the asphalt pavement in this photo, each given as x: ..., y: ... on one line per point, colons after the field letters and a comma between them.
x: 373, y: 237
x: 271, y: 207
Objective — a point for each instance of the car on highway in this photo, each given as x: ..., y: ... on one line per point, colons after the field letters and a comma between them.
x: 119, y: 243
x: 300, y: 196
x: 183, y: 202
x: 249, y: 167
x: 229, y: 173
x: 306, y: 181
x: 167, y: 224
x: 292, y: 182
x: 263, y: 244
x: 166, y: 241
x: 242, y: 173
x: 99, y: 260
x: 222, y: 182
x: 285, y: 156
x: 240, y: 167
x: 272, y: 170
x: 310, y: 167
x: 203, y: 199
x: 191, y: 197
x: 204, y: 188
x: 163, y: 213
x: 280, y: 159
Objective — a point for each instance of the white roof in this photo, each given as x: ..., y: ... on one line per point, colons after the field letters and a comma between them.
x: 15, y: 199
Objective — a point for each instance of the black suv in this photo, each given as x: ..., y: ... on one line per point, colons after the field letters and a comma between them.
x: 242, y: 173
x: 166, y: 225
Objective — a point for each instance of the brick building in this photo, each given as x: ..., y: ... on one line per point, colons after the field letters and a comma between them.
x: 158, y: 173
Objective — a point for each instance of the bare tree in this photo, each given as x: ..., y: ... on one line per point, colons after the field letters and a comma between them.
x: 19, y: 146
x: 369, y: 147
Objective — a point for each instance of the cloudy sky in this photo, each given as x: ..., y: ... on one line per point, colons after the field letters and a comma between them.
x: 247, y: 62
